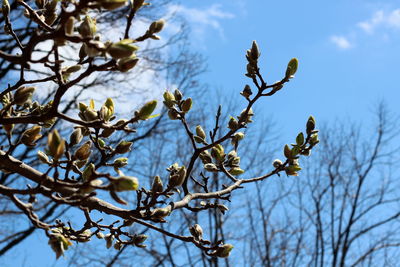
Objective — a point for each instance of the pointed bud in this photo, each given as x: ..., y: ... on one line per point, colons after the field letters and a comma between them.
x: 23, y: 94
x: 43, y: 157
x: 173, y: 114
x: 5, y: 8
x: 246, y: 91
x: 254, y: 52
x: 121, y: 49
x: 147, y: 110
x: 236, y: 171
x: 125, y: 64
x: 233, y: 124
x: 76, y: 137
x: 187, y: 105
x: 169, y: 99
x: 156, y: 26
x: 88, y: 27
x: 88, y: 172
x: 210, y: 167
x: 196, y: 231
x: 123, y: 147
x: 205, y: 157
x: 178, y: 95
x: 160, y: 213
x: 300, y: 139
x: 157, y: 185
x: 292, y: 67
x: 120, y: 162
x: 200, y: 132
x: 287, y: 152
x: 125, y: 183
x: 224, y: 251
x: 69, y: 25
x: 310, y: 125
x: 178, y: 178
x: 30, y: 136
x: 109, y: 240
x: 84, y: 151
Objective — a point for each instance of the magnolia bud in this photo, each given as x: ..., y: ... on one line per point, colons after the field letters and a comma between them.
x: 310, y: 125
x: 30, y: 136
x: 277, y: 163
x: 147, y: 110
x: 300, y: 139
x: 125, y: 183
x: 292, y: 170
x: 210, y: 167
x: 100, y: 235
x: 5, y: 8
x: 292, y: 67
x: 76, y: 137
x: 156, y: 26
x: 23, y: 94
x: 139, y: 239
x: 160, y: 213
x: 118, y: 245
x: 224, y: 251
x: 233, y: 124
x: 120, y: 162
x: 121, y: 49
x: 112, y: 4
x: 43, y: 157
x: 187, y: 104
x: 254, y: 52
x: 125, y: 64
x: 178, y: 95
x: 236, y: 171
x: 84, y: 151
x: 205, y: 157
x: 88, y: 27
x: 169, y: 99
x: 109, y: 240
x: 123, y: 147
x: 90, y: 115
x: 137, y: 4
x: 107, y: 132
x: 88, y: 172
x: 69, y: 25
x: 157, y: 185
x: 246, y: 91
x: 196, y: 231
x: 200, y: 132
x: 178, y: 178
x: 173, y: 114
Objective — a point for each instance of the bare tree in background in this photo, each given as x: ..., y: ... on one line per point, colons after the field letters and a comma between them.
x: 344, y: 211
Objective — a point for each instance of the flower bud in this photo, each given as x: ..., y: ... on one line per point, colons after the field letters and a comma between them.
x: 43, y: 157
x: 147, y: 110
x: 139, y: 239
x: 178, y: 178
x: 233, y: 124
x: 88, y: 27
x: 196, y: 231
x: 120, y: 162
x: 76, y: 137
x: 187, y: 104
x: 88, y: 172
x: 287, y: 152
x: 121, y: 49
x: 173, y: 114
x: 90, y: 115
x: 277, y: 163
x: 157, y: 185
x: 30, y: 136
x: 125, y: 183
x: 200, y: 132
x: 109, y: 240
x: 23, y: 94
x: 107, y: 132
x: 69, y: 25
x: 210, y: 167
x: 5, y: 8
x: 254, y: 52
x: 178, y: 95
x: 125, y: 64
x: 160, y: 213
x: 236, y: 171
x: 156, y: 26
x: 123, y: 147
x: 310, y: 125
x: 246, y: 91
x: 169, y: 99
x: 292, y: 67
x: 300, y: 139
x: 205, y: 157
x: 84, y: 151
x: 224, y: 251
x: 112, y: 4
x: 100, y: 235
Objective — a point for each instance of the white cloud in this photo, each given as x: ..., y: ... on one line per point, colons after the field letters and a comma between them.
x: 202, y: 19
x: 341, y: 42
x: 381, y: 19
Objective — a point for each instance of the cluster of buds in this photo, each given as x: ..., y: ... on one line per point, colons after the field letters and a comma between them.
x: 233, y: 162
x: 177, y: 175
x: 252, y: 56
x: 302, y: 146
x: 37, y: 109
x: 177, y: 106
x: 87, y: 113
x: 46, y: 11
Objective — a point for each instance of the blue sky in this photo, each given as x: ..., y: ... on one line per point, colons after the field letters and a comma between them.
x: 348, y: 53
